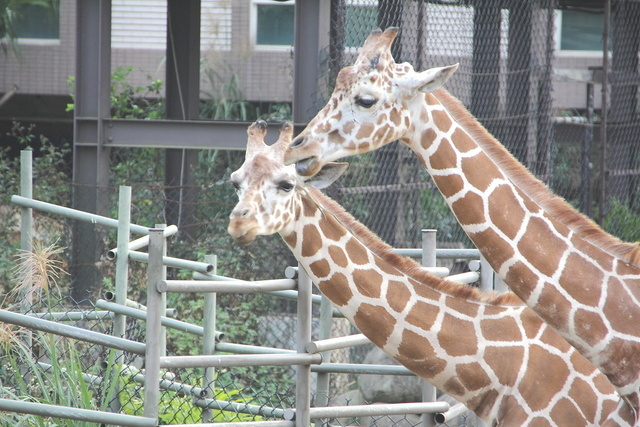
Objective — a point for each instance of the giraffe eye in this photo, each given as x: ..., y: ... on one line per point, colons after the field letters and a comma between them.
x: 366, y: 101
x: 285, y: 186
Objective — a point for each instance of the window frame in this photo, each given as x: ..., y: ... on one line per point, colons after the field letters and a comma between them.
x: 253, y: 25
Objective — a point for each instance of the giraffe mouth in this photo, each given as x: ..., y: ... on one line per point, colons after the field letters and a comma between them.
x: 242, y: 235
x: 309, y: 166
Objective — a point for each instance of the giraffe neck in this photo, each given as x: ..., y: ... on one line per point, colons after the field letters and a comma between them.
x: 546, y: 252
x: 486, y: 351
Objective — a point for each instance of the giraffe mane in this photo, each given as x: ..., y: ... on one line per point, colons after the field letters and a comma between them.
x: 553, y: 204
x: 406, y: 264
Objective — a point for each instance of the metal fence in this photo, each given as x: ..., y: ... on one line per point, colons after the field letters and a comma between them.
x: 121, y: 357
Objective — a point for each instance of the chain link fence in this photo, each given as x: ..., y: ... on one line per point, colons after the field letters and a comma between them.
x: 512, y: 71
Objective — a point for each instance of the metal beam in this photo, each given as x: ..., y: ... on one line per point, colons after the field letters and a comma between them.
x: 312, y: 22
x: 90, y: 156
x: 196, y: 134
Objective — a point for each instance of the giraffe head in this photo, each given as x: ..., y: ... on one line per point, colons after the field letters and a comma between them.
x: 267, y: 189
x: 369, y: 106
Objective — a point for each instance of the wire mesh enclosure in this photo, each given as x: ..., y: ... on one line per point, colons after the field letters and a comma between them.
x: 534, y: 73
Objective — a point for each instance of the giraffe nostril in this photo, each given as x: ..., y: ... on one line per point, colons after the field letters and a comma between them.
x: 297, y: 142
x: 240, y: 213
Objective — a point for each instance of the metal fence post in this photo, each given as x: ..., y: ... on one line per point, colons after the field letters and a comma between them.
x: 122, y: 285
x: 209, y: 340
x: 428, y: 260
x: 303, y: 336
x: 26, y: 235
x: 486, y: 275
x: 323, y: 378
x: 154, y: 342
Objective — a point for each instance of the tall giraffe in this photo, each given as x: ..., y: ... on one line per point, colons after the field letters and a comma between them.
x: 489, y: 351
x: 580, y: 280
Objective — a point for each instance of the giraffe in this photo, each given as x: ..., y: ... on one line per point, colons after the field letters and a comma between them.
x: 582, y: 281
x: 489, y: 351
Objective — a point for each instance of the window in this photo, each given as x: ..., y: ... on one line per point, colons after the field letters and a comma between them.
x: 274, y: 23
x: 580, y: 30
x: 37, y: 21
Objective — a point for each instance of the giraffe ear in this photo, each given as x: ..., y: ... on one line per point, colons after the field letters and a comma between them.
x: 431, y: 79
x: 327, y: 175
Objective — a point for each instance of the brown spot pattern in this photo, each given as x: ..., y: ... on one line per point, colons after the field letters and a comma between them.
x: 444, y: 157
x: 582, y: 280
x: 336, y: 288
x: 505, y: 362
x: 441, y: 120
x: 583, y: 394
x: 365, y: 131
x: 457, y: 337
x: 331, y: 228
x: 553, y: 308
x: 311, y: 240
x: 543, y: 370
x: 338, y: 256
x: 462, y: 306
x: 505, y: 212
x: 428, y: 136
x: 480, y: 171
x: 417, y: 353
x: 540, y: 247
x: 422, y: 315
x: 473, y: 376
x: 565, y: 413
x: 469, y: 209
x: 368, y: 282
x: 375, y: 322
x: 505, y: 329
x: 357, y: 253
x: 320, y: 268
x: 623, y: 318
x: 449, y: 184
x: 463, y: 141
x: 398, y: 295
x: 520, y: 279
x: 590, y: 327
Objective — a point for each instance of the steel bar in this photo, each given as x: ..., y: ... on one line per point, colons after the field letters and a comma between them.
x: 429, y: 258
x: 464, y: 278
x: 166, y: 321
x: 242, y: 360
x: 372, y: 410
x: 153, y: 333
x: 74, y: 214
x: 244, y: 408
x: 336, y: 343
x: 142, y: 242
x: 209, y: 342
x: 77, y: 414
x: 454, y: 411
x: 226, y: 347
x: 73, y: 316
x: 168, y: 261
x: 240, y: 424
x: 110, y: 297
x: 71, y: 332
x: 225, y: 286
x: 303, y: 336
x: 358, y: 368
x: 441, y: 253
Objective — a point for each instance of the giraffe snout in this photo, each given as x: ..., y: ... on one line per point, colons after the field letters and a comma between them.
x: 241, y: 212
